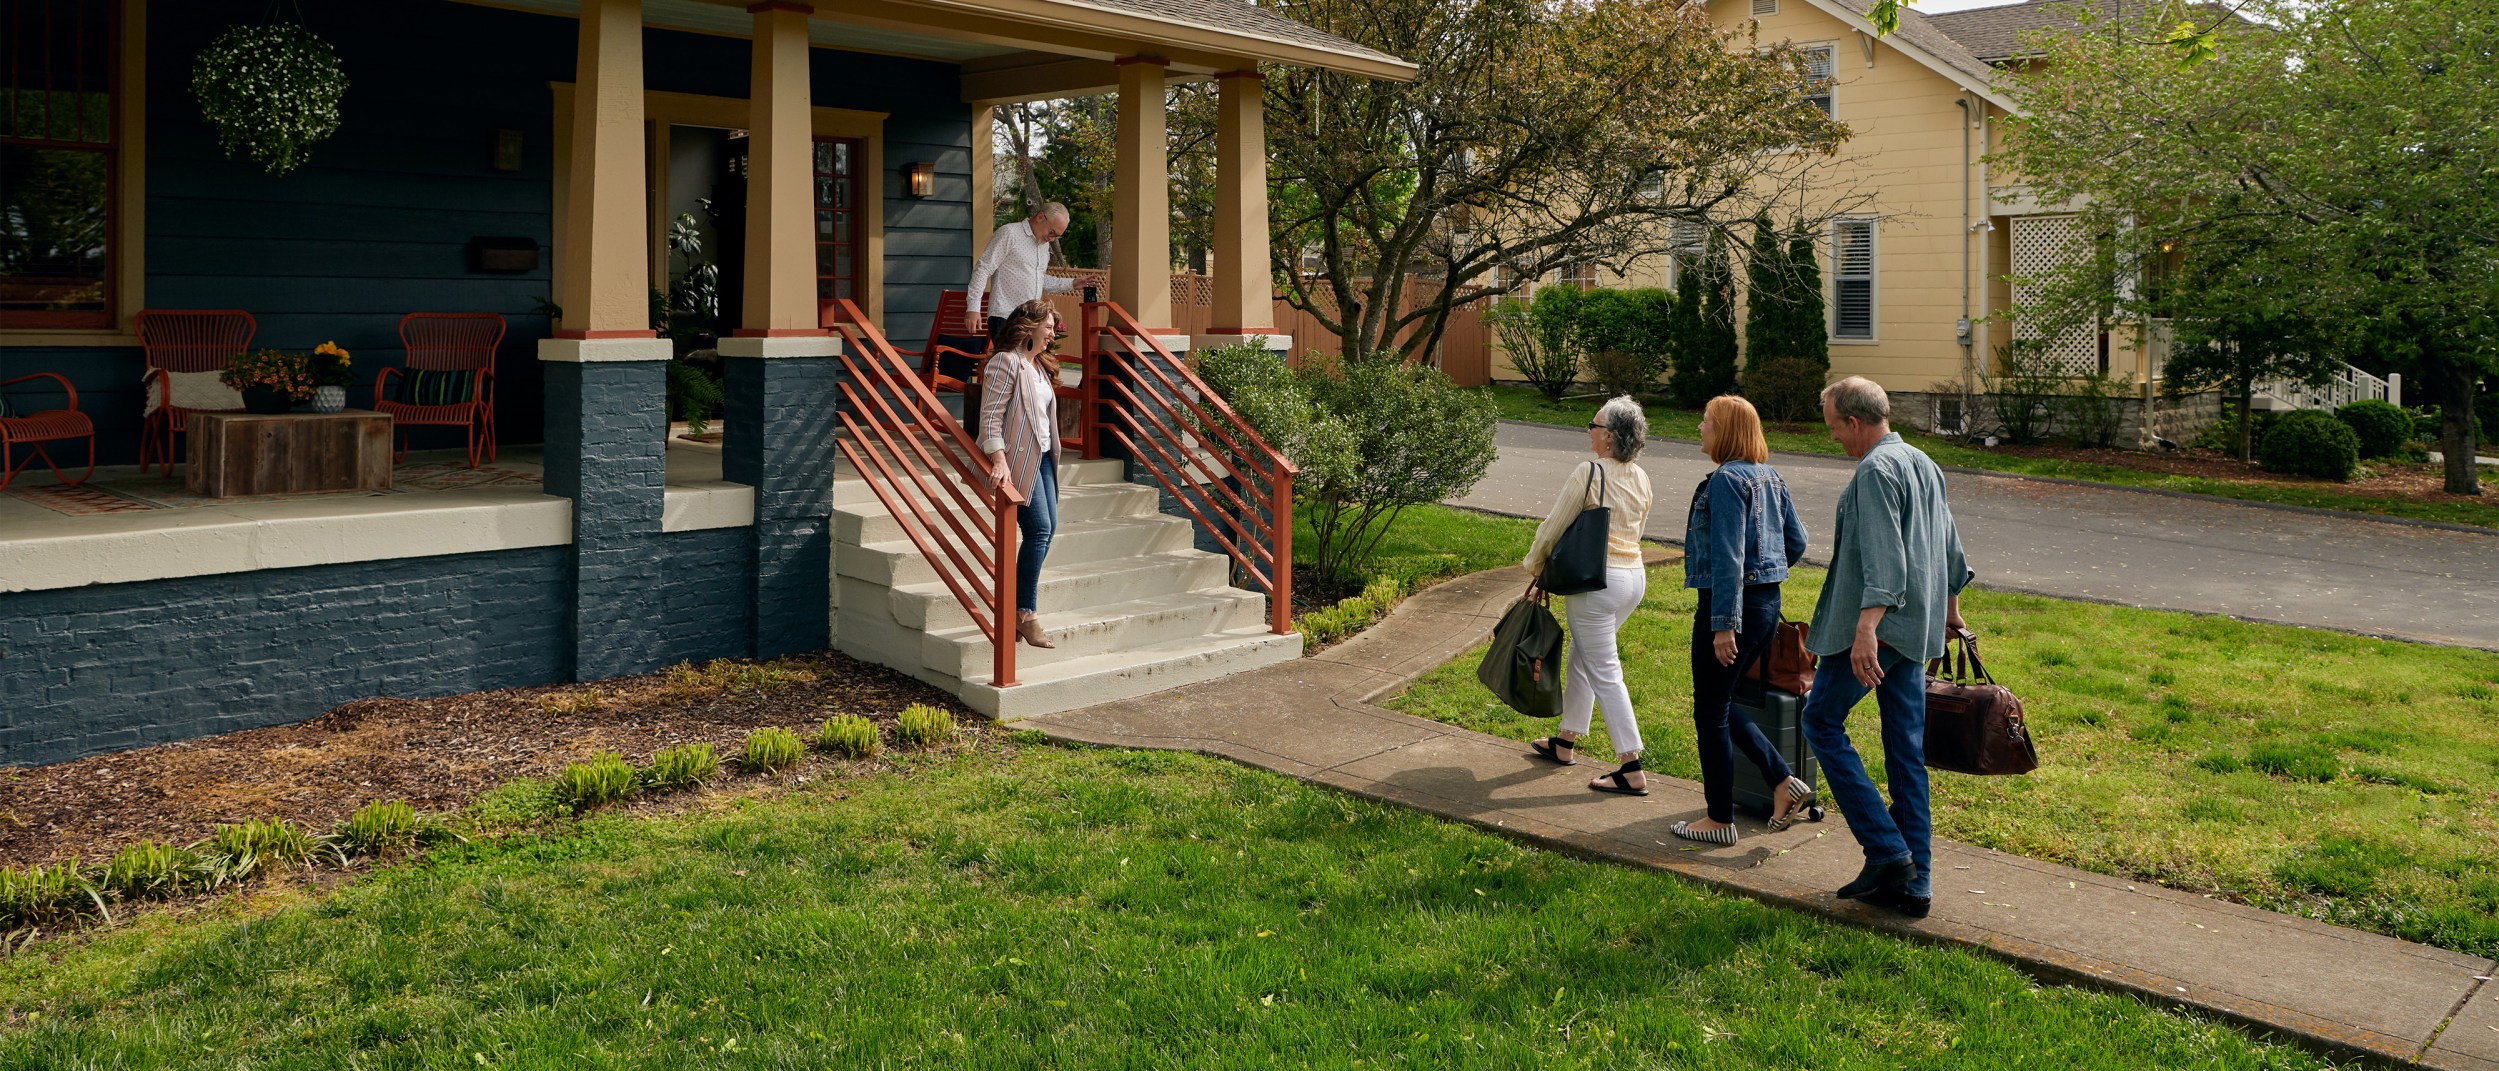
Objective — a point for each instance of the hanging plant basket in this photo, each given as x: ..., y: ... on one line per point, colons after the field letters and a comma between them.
x: 271, y: 91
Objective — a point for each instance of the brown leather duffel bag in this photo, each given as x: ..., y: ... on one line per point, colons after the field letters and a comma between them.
x: 1785, y: 664
x: 1973, y: 725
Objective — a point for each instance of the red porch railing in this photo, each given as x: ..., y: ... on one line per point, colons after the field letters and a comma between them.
x: 930, y: 476
x: 1201, y: 452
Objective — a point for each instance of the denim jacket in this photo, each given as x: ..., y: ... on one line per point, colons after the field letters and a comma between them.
x: 1742, y: 530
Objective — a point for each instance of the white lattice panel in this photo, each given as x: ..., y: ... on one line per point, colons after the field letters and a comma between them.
x: 2041, y: 245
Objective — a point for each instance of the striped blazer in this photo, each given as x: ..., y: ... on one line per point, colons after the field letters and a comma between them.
x: 1019, y: 416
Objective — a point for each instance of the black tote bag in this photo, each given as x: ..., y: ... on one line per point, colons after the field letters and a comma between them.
x: 1577, y: 564
x: 1524, y: 665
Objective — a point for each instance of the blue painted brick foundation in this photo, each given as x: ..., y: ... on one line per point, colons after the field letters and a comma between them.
x: 780, y: 421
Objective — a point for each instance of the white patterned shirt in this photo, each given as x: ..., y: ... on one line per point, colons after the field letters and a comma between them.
x: 1016, y: 267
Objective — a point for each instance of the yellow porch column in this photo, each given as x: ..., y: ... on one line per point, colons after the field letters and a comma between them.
x: 1141, y: 205
x: 780, y: 178
x: 606, y: 254
x: 1244, y: 301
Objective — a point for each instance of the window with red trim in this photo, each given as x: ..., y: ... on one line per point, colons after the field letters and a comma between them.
x: 57, y: 162
x: 839, y: 162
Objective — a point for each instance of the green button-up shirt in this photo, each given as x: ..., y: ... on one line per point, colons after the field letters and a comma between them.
x: 1895, y: 547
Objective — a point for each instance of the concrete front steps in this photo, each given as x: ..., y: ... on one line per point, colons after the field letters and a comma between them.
x: 1132, y: 605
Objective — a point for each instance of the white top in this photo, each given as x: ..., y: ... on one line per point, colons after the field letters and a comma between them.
x: 1016, y: 267
x: 1622, y: 487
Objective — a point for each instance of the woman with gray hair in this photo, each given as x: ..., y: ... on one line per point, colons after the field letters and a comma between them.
x: 1595, y: 674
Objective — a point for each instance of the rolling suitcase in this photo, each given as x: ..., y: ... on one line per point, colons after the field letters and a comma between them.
x: 1780, y: 715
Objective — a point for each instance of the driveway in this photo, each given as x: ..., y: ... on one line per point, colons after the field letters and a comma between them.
x: 2132, y: 547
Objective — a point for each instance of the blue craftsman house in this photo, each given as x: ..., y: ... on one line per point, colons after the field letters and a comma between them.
x: 522, y: 162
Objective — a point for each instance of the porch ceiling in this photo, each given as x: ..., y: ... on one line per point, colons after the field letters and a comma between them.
x: 697, y: 16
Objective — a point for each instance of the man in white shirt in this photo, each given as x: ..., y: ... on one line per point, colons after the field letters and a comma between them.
x: 1014, y: 268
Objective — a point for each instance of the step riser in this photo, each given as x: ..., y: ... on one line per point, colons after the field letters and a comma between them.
x: 864, y: 520
x: 936, y: 609
x: 966, y: 655
x: 899, y: 563
x: 1074, y: 473
x: 1049, y: 697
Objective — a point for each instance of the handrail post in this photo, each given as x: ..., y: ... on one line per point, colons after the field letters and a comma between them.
x: 1280, y: 528
x: 1003, y: 637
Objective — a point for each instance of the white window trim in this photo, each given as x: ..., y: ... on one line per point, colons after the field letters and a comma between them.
x: 1874, y: 283
x: 1833, y: 89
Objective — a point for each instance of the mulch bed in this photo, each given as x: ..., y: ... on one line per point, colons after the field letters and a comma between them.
x: 2412, y: 481
x: 436, y: 754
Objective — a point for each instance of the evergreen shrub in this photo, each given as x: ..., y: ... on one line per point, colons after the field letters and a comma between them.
x: 2310, y: 442
x: 2384, y: 429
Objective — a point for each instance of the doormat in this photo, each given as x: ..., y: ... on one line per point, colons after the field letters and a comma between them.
x: 139, y: 493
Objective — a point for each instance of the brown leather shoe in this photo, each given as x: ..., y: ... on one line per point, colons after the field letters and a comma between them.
x: 1029, y: 630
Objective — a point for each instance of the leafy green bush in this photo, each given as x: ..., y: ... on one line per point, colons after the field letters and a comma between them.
x: 2094, y: 411
x: 594, y: 782
x: 2384, y: 429
x: 922, y: 725
x: 1320, y: 628
x: 2310, y: 442
x: 682, y: 766
x: 2296, y: 762
x: 1537, y: 334
x: 1785, y: 389
x: 48, y: 896
x: 236, y: 852
x: 379, y: 826
x: 772, y: 749
x: 148, y: 870
x: 1623, y: 337
x: 851, y: 736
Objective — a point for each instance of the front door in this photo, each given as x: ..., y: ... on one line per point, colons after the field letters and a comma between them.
x: 840, y: 165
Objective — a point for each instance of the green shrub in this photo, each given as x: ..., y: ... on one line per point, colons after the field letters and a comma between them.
x: 594, y: 782
x: 851, y: 736
x: 379, y: 826
x: 1786, y: 390
x: 236, y: 852
x: 48, y: 896
x: 2094, y: 411
x: 2310, y: 442
x: 1623, y: 337
x: 2223, y: 434
x: 683, y: 766
x: 2296, y: 762
x: 2384, y: 429
x: 772, y: 749
x: 1320, y: 628
x: 1536, y: 334
x: 922, y: 725
x: 148, y: 870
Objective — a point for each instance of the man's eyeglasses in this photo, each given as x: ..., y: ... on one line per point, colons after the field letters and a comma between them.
x: 1596, y: 427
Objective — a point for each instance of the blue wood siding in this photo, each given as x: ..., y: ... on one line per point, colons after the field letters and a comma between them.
x: 378, y: 222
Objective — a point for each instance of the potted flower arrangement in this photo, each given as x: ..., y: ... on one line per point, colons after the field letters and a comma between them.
x: 271, y: 381
x: 328, y: 365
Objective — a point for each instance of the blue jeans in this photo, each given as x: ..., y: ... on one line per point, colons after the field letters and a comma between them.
x: 1906, y: 829
x: 1720, y: 728
x: 1039, y: 520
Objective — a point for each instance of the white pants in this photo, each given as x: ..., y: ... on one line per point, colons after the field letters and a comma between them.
x: 1595, y: 674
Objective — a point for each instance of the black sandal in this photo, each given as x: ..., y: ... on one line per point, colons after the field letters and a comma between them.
x: 1549, y: 749
x: 1622, y: 785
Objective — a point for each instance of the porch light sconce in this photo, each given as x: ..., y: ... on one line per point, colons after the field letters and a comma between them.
x: 920, y: 179
x: 507, y: 150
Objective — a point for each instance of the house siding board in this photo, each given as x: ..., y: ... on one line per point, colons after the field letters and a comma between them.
x: 93, y: 669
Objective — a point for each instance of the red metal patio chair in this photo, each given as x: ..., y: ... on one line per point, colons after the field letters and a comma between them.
x: 447, y: 342
x: 183, y: 340
x: 44, y: 426
x: 947, y: 338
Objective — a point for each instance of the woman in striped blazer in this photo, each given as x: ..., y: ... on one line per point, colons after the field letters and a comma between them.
x: 1019, y: 431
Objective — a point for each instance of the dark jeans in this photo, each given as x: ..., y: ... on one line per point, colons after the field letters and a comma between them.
x: 1039, y: 520
x: 1905, y: 829
x: 1720, y: 727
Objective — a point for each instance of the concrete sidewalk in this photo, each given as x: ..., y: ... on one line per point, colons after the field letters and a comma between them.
x: 2337, y: 989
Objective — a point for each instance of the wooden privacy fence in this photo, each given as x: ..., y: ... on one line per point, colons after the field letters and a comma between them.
x: 1465, y: 352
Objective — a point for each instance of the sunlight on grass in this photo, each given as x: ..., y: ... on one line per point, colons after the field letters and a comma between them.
x: 2349, y: 779
x: 1052, y: 908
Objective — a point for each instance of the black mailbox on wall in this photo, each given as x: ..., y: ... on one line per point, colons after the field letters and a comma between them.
x: 503, y: 254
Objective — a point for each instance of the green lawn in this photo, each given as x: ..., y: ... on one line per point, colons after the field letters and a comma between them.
x: 1525, y: 404
x: 2349, y: 779
x: 1044, y: 907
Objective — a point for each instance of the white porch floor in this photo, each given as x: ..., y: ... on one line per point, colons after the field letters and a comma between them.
x: 127, y: 525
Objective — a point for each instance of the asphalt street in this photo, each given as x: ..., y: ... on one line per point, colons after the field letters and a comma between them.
x: 2131, y: 547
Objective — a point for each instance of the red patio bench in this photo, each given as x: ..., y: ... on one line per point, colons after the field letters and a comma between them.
x: 43, y: 426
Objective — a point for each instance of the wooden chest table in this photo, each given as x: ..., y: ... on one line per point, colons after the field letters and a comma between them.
x: 287, y: 453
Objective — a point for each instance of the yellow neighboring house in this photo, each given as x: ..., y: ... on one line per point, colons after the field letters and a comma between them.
x: 1912, y: 275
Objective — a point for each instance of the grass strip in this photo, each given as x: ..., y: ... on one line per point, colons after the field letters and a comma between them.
x: 2347, y: 779
x: 1051, y: 908
x: 1525, y: 404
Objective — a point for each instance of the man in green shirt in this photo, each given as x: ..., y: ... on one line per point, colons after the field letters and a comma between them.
x: 1895, y: 586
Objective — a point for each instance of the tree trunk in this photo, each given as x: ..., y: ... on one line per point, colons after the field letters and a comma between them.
x: 2247, y: 420
x: 2456, y: 439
